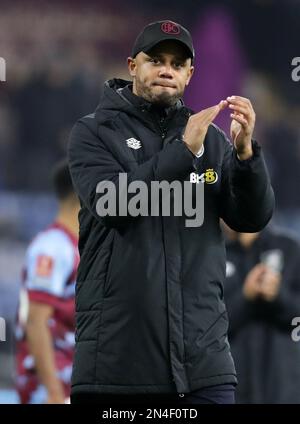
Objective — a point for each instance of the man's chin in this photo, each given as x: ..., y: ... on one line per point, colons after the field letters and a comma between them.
x: 165, y: 99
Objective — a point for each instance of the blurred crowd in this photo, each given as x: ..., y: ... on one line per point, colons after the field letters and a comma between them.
x: 56, y: 60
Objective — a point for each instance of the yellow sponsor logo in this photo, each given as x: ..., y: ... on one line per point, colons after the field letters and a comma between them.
x: 209, y: 177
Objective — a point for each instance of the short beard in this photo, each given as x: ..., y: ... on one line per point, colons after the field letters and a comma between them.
x: 163, y: 100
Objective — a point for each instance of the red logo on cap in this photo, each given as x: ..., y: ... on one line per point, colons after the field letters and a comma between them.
x: 170, y: 28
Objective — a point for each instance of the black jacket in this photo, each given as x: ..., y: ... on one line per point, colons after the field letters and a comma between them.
x: 260, y: 332
x: 149, y: 297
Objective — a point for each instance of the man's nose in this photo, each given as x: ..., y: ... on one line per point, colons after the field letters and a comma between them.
x: 166, y: 71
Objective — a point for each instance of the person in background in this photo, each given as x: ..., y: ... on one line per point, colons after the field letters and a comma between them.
x: 262, y: 295
x: 45, y: 330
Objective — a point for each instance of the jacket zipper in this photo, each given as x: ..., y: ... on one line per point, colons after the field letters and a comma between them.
x: 162, y: 128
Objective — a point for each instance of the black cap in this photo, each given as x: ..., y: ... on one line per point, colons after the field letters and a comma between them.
x: 159, y: 31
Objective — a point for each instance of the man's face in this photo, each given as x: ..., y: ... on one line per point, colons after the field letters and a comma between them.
x: 161, y: 75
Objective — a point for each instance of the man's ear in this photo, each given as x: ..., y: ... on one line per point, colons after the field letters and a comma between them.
x: 131, y: 66
x: 191, y: 71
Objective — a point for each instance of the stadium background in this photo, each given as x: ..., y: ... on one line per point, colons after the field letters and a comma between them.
x: 59, y: 53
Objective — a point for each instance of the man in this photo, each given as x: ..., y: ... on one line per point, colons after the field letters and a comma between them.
x: 151, y: 319
x: 46, y: 332
x: 262, y: 294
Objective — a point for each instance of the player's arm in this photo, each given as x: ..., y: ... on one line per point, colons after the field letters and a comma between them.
x: 40, y: 344
x: 247, y: 198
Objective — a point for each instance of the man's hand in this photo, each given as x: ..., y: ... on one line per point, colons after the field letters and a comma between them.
x: 198, y: 124
x: 242, y: 125
x: 270, y: 285
x: 252, y: 285
x: 262, y: 282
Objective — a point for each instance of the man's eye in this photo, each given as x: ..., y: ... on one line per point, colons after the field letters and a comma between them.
x: 154, y: 60
x: 178, y: 65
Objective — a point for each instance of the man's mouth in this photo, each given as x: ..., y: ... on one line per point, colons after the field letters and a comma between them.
x: 161, y: 84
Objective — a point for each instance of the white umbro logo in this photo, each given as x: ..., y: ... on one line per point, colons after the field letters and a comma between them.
x: 133, y: 143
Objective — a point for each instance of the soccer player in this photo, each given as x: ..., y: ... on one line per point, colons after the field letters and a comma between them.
x: 45, y: 337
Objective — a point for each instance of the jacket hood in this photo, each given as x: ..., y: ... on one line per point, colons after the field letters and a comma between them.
x: 111, y: 98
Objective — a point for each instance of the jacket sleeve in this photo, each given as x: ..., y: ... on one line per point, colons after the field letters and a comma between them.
x: 247, y: 198
x: 91, y: 162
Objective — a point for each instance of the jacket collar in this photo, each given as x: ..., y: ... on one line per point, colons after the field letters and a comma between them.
x: 118, y: 97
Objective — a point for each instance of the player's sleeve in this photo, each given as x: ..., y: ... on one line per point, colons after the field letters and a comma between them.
x: 247, y: 197
x: 49, y: 264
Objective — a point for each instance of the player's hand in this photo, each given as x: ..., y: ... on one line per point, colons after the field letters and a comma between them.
x: 270, y: 285
x: 242, y: 125
x: 252, y: 285
x: 198, y: 124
